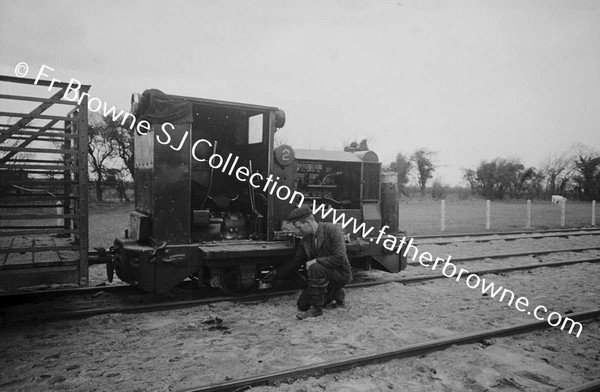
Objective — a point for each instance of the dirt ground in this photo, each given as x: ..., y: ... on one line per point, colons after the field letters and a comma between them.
x: 173, y: 350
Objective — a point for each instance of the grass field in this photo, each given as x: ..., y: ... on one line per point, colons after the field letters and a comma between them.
x: 469, y: 216
x: 108, y: 221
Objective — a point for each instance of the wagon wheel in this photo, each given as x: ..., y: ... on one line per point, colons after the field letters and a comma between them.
x: 232, y: 283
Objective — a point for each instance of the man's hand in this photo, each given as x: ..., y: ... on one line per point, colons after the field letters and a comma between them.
x: 310, y: 262
x: 271, y: 276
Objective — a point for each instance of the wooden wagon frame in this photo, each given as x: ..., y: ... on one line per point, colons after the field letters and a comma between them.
x: 43, y: 199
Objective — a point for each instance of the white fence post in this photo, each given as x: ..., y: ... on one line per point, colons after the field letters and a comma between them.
x: 528, y: 214
x: 593, y: 212
x: 443, y: 215
x: 562, y: 213
x: 487, y: 215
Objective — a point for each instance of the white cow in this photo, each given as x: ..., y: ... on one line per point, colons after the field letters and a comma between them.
x: 558, y: 200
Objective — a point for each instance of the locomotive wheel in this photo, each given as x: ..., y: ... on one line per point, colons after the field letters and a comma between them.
x: 232, y: 283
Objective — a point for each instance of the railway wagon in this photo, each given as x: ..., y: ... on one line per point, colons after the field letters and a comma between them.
x: 43, y: 185
x: 212, y: 193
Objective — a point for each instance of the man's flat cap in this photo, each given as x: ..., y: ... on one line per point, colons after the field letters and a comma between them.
x: 299, y: 213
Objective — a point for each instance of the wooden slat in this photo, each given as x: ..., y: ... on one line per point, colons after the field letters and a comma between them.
x: 31, y: 227
x: 5, y: 133
x: 28, y: 198
x: 52, y: 167
x: 31, y: 139
x: 81, y: 128
x: 53, y: 161
x: 41, y: 82
x: 10, y: 206
x: 36, y: 269
x: 46, y: 150
x: 37, y: 116
x: 36, y: 99
x: 54, y: 171
x: 3, y: 260
x: 39, y: 265
x: 41, y: 138
x: 35, y: 181
x: 32, y: 231
x: 37, y: 216
x: 38, y: 249
x: 72, y: 113
x: 23, y: 130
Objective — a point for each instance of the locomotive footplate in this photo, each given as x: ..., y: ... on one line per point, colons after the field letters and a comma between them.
x: 233, y: 265
x: 226, y: 253
x: 230, y: 253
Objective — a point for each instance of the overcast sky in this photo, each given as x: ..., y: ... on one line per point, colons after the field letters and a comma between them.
x: 472, y: 80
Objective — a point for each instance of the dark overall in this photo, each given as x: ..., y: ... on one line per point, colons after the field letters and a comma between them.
x: 331, y: 271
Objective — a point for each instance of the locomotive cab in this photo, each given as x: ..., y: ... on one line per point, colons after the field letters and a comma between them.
x: 186, y: 167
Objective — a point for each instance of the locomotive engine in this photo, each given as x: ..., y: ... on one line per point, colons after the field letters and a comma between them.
x: 212, y: 193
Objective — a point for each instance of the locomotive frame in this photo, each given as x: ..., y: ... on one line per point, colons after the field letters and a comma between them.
x: 196, y: 219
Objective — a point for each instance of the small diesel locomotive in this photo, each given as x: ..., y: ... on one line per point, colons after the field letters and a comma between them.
x: 212, y: 193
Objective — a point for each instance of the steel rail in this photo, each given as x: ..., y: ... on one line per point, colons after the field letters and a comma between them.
x: 422, y: 278
x: 171, y: 305
x: 551, y: 233
x: 592, y: 386
x: 335, y: 366
x: 515, y: 254
x: 530, y: 231
x: 24, y: 295
x: 507, y: 237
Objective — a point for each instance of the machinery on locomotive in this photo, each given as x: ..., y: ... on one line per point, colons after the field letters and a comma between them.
x: 212, y: 193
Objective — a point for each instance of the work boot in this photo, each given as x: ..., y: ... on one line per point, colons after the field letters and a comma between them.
x: 311, y: 312
x: 340, y: 298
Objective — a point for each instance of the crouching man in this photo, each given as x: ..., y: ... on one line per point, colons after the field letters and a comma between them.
x: 324, y: 252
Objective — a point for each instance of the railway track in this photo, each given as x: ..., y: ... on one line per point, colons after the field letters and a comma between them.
x: 27, y: 296
x: 320, y: 369
x: 530, y: 231
x: 506, y: 236
x: 165, y: 303
x: 242, y: 382
x: 514, y: 254
x: 425, y: 239
x: 441, y: 239
x: 171, y: 305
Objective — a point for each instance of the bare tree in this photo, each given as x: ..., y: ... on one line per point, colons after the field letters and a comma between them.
x: 423, y: 159
x: 588, y: 178
x: 471, y: 177
x: 504, y: 177
x: 101, y: 150
x: 402, y: 166
x: 117, y: 179
x: 558, y: 170
x: 123, y: 141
